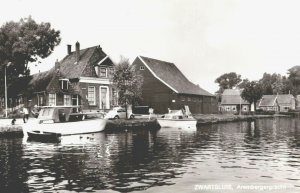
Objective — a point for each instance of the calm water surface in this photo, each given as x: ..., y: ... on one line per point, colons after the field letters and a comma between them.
x: 265, y: 152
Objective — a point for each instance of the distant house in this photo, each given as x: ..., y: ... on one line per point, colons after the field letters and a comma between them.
x: 82, y: 77
x: 277, y: 103
x: 165, y: 86
x: 232, y: 102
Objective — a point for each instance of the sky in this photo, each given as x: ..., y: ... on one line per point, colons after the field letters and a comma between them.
x: 204, y: 38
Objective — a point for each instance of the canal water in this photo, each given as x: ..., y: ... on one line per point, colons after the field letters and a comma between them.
x: 260, y: 156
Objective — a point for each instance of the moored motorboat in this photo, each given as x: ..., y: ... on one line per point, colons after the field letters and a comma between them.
x: 178, y: 118
x: 59, y: 121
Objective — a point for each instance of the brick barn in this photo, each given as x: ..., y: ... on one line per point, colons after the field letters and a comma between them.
x: 165, y: 86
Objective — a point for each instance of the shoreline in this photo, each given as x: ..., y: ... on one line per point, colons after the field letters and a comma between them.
x: 8, y: 130
x: 226, y: 118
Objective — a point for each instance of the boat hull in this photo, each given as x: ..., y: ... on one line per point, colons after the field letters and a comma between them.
x: 177, y: 123
x: 66, y: 128
x: 43, y: 136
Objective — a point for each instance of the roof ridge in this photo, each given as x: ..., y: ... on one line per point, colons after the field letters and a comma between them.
x: 170, y: 75
x: 88, y: 60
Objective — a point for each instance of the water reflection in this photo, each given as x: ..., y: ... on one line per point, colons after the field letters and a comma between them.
x: 265, y: 151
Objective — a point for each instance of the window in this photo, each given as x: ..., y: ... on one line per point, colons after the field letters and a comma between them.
x: 67, y: 100
x: 189, y: 98
x: 182, y: 98
x: 103, y: 72
x: 64, y: 84
x: 142, y: 67
x: 75, y: 100
x: 52, y: 99
x: 91, y: 95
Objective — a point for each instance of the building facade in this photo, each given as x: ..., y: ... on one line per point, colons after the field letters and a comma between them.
x: 232, y: 102
x: 83, y: 78
x: 277, y: 103
x: 164, y: 86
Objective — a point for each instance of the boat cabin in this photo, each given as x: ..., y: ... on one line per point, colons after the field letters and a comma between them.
x: 60, y: 114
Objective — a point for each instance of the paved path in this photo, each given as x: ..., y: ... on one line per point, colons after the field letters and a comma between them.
x: 6, y: 122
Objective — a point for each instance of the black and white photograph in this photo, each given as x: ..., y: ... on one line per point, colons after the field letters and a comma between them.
x: 155, y: 96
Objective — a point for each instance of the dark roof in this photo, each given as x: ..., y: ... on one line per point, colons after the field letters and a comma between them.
x: 29, y: 84
x: 233, y: 97
x: 172, y: 77
x: 69, y: 66
x: 267, y: 100
x: 40, y: 81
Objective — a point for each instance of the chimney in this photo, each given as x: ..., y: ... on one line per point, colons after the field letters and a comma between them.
x: 69, y: 49
x: 56, y: 65
x: 77, y: 45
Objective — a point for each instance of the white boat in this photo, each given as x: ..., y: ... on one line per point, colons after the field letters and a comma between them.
x: 54, y: 122
x: 178, y: 119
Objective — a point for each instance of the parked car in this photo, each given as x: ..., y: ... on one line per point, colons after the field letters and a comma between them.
x: 119, y: 113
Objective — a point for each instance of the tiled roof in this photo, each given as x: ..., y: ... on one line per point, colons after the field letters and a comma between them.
x: 285, y: 98
x: 29, y: 84
x: 267, y: 100
x: 69, y: 66
x: 233, y: 97
x: 172, y: 77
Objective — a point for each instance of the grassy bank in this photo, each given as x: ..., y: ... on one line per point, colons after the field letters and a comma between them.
x: 223, y: 118
x: 121, y: 124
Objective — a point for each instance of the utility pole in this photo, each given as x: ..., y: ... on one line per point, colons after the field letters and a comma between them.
x: 6, y: 88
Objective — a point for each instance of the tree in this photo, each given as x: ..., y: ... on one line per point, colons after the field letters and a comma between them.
x: 128, y: 83
x: 268, y: 83
x: 24, y: 42
x: 294, y: 78
x: 252, y: 92
x: 242, y: 84
x: 228, y: 81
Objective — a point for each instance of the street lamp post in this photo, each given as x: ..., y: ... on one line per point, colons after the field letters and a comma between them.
x: 6, y: 88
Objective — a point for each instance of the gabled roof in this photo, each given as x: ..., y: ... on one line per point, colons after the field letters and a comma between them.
x: 69, y: 66
x: 172, y: 77
x: 35, y: 83
x: 285, y: 98
x: 268, y: 101
x: 233, y: 97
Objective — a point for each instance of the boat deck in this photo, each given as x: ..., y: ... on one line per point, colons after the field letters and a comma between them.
x: 67, y: 128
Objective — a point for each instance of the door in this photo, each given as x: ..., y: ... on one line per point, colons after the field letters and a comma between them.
x: 104, y: 97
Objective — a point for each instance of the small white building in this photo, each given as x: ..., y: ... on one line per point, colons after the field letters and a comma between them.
x: 277, y: 103
x: 232, y: 102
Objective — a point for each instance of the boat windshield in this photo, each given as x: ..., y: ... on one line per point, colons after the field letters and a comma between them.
x: 46, y: 112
